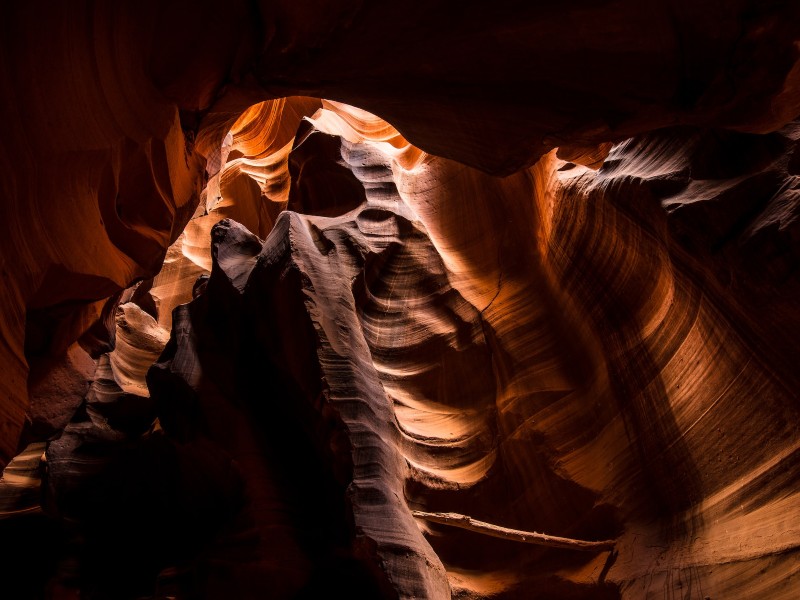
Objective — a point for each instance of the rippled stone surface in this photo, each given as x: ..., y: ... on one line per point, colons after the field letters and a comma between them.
x: 593, y: 383
x: 108, y: 140
x: 601, y: 344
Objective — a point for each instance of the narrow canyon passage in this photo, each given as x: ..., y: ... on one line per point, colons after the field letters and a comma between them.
x: 258, y: 340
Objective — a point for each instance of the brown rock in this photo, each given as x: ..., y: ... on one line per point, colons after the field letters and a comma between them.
x: 601, y: 344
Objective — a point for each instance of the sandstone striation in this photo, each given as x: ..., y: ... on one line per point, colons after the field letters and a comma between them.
x: 129, y: 103
x: 587, y: 422
x: 527, y: 269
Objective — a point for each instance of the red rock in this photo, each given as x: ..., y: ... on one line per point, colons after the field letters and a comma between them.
x: 600, y: 344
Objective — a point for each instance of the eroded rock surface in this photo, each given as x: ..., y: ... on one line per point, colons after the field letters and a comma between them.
x: 588, y: 384
x: 115, y: 114
x: 601, y: 344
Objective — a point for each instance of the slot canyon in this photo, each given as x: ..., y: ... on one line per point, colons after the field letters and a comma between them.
x: 473, y: 300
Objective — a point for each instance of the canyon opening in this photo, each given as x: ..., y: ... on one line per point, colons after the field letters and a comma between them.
x: 433, y: 300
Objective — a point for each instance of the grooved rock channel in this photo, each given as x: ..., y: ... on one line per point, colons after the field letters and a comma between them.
x: 258, y: 342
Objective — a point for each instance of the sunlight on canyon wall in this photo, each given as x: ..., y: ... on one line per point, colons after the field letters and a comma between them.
x: 251, y: 337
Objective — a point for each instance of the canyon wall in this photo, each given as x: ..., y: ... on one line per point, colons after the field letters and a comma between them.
x: 558, y: 293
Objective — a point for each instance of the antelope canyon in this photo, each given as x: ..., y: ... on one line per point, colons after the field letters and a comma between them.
x: 400, y: 300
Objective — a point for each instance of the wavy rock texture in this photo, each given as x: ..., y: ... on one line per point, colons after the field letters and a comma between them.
x: 248, y: 181
x: 600, y: 345
x: 704, y: 389
x: 130, y: 102
x: 328, y: 386
x: 63, y: 504
x: 590, y: 73
x: 100, y: 180
x: 587, y: 381
x: 592, y: 383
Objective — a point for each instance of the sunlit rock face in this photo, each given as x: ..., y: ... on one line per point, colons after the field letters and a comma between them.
x: 125, y: 118
x: 592, y: 371
x: 600, y: 345
x: 698, y: 372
